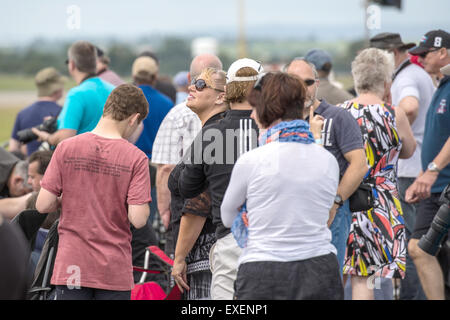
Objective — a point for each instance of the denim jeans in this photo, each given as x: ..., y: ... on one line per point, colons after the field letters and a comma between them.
x: 340, y: 228
x: 410, y: 289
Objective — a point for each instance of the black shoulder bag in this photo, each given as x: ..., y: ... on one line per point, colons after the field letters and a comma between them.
x: 362, y: 199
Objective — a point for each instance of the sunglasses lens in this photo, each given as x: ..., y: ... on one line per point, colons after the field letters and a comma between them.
x: 309, y: 82
x: 200, y: 84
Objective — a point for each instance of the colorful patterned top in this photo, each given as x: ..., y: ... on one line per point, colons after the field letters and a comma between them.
x: 376, y: 244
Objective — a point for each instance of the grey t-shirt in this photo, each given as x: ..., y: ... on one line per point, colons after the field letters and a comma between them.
x: 341, y: 133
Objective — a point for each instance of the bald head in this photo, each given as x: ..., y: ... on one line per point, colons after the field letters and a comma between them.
x: 302, y: 68
x: 202, y: 62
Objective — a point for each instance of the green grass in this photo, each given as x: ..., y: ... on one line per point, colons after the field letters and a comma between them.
x: 16, y: 83
x: 12, y: 82
x: 7, y: 118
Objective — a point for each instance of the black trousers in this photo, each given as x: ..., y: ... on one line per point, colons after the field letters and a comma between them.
x: 317, y: 278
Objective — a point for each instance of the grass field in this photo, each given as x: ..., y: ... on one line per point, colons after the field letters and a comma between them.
x: 7, y: 118
x: 10, y: 82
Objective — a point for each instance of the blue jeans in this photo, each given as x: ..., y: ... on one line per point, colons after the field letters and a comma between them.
x: 340, y: 228
x: 410, y: 289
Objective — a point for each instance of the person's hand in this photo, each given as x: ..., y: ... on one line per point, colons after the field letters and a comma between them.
x: 421, y: 188
x: 179, y: 274
x: 333, y: 212
x: 42, y: 135
x: 316, y: 124
x: 165, y: 218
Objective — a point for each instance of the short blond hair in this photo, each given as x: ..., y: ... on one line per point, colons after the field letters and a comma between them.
x: 215, y: 78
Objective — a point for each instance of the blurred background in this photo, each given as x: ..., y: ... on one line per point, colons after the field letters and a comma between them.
x: 37, y: 34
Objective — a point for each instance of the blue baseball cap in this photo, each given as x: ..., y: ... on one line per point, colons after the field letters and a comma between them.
x: 318, y: 58
x: 181, y: 79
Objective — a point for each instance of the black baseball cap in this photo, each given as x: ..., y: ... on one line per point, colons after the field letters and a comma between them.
x: 433, y: 39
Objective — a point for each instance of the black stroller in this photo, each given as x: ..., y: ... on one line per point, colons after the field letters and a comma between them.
x: 30, y: 221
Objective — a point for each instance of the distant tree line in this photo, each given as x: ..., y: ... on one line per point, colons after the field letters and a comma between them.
x: 174, y: 55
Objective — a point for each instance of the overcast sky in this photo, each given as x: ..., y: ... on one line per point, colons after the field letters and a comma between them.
x: 24, y: 20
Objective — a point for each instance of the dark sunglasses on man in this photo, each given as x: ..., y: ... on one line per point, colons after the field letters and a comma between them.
x: 309, y: 82
x: 423, y: 55
x: 200, y: 84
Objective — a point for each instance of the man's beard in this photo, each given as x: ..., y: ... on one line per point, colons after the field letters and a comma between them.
x: 309, y: 103
x: 311, y: 100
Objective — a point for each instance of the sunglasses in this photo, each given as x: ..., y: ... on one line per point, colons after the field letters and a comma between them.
x: 200, y: 85
x: 258, y: 83
x: 423, y: 55
x: 309, y: 82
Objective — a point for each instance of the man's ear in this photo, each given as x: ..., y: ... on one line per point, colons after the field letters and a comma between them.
x: 71, y: 65
x: 16, y: 188
x: 134, y: 119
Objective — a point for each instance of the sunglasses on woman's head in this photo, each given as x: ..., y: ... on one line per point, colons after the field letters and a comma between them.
x: 258, y: 83
x: 200, y: 84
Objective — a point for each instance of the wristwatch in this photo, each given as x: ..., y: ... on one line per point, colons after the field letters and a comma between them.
x: 433, y: 167
x: 338, y: 200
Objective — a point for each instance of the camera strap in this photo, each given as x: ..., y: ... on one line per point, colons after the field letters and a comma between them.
x: 88, y: 77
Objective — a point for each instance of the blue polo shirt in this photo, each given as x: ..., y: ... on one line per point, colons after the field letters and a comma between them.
x: 159, y: 107
x: 341, y: 133
x: 33, y: 116
x: 84, y: 104
x: 437, y: 131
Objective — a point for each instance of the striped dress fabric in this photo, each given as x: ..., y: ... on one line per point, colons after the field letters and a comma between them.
x: 377, y: 244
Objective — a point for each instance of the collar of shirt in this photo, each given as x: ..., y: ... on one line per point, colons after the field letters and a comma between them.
x: 320, y: 109
x: 444, y: 80
x: 215, y: 118
x: 238, y: 114
x: 401, y: 65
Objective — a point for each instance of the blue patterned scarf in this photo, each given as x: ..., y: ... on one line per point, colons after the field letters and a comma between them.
x: 286, y: 131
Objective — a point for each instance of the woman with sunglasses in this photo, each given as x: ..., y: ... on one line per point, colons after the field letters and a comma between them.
x: 191, y: 266
x: 232, y: 136
x: 288, y: 184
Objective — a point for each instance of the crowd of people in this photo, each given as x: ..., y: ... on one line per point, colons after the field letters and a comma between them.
x: 274, y: 185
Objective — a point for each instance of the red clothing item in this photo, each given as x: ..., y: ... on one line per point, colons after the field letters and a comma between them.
x: 415, y: 60
x: 98, y: 178
x: 111, y: 77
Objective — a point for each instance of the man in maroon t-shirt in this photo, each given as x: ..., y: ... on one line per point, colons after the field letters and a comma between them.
x: 103, y: 183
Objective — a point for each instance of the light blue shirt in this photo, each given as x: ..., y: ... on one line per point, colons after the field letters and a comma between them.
x: 84, y: 104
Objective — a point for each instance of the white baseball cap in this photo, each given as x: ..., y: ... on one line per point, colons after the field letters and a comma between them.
x: 243, y: 63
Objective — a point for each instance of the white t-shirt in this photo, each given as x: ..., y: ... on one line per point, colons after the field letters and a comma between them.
x: 289, y: 188
x: 413, y: 81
